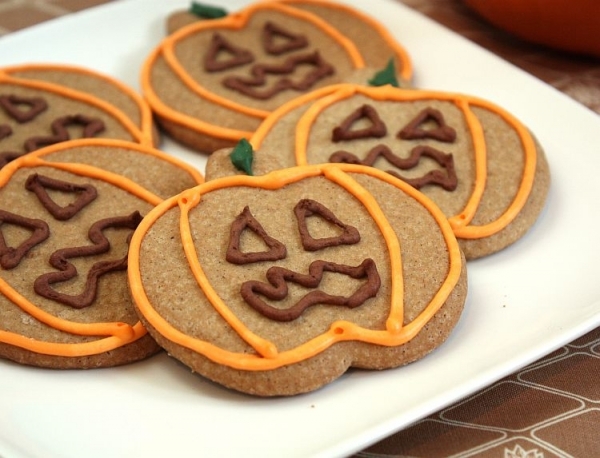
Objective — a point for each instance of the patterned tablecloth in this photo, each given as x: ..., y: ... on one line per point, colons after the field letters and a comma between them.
x: 550, y: 408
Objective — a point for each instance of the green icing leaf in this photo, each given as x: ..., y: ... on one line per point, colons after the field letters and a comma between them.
x: 385, y: 76
x: 207, y: 11
x: 242, y: 156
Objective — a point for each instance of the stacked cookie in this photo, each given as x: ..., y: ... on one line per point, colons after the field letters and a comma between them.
x: 213, y: 82
x: 476, y: 161
x: 78, y: 174
x: 277, y: 284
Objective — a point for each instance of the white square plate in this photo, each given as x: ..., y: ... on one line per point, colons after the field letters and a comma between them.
x: 523, y: 302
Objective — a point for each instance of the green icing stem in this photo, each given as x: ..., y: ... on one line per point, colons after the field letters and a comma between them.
x: 385, y: 76
x: 242, y: 156
x: 207, y: 11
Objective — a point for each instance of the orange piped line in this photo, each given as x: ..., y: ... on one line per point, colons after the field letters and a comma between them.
x: 37, y: 157
x: 454, y: 254
x: 146, y: 121
x: 74, y: 350
x: 188, y: 201
x: 527, y: 178
x: 406, y: 71
x: 460, y: 222
x: 236, y: 22
x: 304, y: 126
x: 115, y: 143
x: 396, y: 316
x: 465, y: 217
x: 393, y: 335
x: 135, y: 132
x: 166, y: 112
x: 121, y: 330
x: 270, y: 121
x: 233, y: 21
x: 111, y: 335
x: 93, y: 172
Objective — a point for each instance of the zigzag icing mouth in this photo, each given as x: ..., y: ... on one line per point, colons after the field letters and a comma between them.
x: 277, y: 288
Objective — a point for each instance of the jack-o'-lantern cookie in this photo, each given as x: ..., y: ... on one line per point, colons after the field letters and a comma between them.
x: 478, y: 162
x: 212, y: 82
x: 277, y: 284
x: 67, y: 213
x: 45, y: 104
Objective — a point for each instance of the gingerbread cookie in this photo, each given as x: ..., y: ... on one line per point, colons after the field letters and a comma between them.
x: 67, y: 213
x: 277, y: 284
x: 44, y: 104
x: 212, y: 82
x: 478, y: 162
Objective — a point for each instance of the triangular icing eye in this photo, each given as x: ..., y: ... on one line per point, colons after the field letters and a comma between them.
x: 84, y: 194
x: 10, y: 257
x: 417, y: 129
x: 246, y: 221
x: 223, y: 55
x: 309, y: 208
x: 347, y: 129
x: 277, y: 40
x: 22, y: 109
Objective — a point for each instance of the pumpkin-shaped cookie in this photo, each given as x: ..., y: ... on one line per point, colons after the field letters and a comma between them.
x: 212, y: 82
x: 478, y: 162
x: 43, y: 104
x: 67, y: 213
x: 277, y: 284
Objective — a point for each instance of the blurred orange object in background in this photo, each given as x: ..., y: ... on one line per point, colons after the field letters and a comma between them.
x: 568, y: 25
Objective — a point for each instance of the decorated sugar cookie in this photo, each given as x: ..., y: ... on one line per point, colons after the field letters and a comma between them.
x: 277, y: 284
x: 43, y: 104
x: 212, y: 82
x: 67, y: 213
x: 474, y: 159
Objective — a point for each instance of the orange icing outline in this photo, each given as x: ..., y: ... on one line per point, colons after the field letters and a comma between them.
x: 268, y: 356
x: 406, y: 72
x: 166, y: 112
x: 118, y: 333
x: 235, y: 21
x: 460, y: 222
x: 135, y: 132
x: 146, y: 121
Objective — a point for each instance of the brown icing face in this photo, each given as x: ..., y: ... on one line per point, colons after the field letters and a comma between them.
x: 257, y: 294
x: 276, y: 270
x: 425, y: 142
x: 261, y: 58
x: 297, y: 67
x: 67, y: 215
x: 428, y: 124
x: 211, y: 83
x: 474, y: 159
x: 25, y: 115
x: 45, y: 104
x: 73, y: 198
